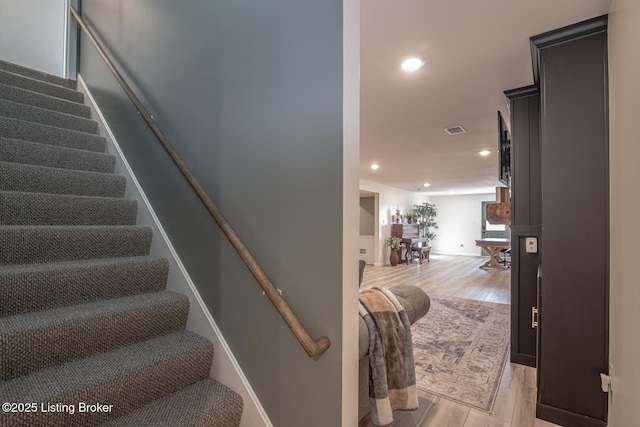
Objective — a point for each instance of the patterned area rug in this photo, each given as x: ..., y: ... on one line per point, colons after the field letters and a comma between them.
x: 460, y: 348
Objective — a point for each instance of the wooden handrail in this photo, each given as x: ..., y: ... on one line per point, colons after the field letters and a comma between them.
x: 311, y: 346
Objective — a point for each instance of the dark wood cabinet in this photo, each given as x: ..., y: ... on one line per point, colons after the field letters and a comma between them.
x: 573, y: 335
x: 525, y: 219
x: 560, y: 193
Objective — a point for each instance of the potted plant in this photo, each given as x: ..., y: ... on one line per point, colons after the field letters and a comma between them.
x: 426, y: 218
x: 410, y: 217
x: 394, y: 243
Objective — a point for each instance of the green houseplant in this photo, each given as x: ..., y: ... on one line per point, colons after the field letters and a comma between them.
x: 410, y: 217
x: 394, y: 243
x: 426, y: 219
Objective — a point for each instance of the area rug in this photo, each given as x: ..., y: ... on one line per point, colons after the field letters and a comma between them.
x: 460, y: 348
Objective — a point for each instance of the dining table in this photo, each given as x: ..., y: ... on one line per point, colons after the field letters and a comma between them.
x: 494, y: 246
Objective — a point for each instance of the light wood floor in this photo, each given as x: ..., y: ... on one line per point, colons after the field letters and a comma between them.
x: 459, y: 276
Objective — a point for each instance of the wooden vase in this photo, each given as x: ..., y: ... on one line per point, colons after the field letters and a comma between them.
x: 394, y: 258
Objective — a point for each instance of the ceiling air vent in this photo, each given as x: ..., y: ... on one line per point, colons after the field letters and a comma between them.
x: 455, y: 130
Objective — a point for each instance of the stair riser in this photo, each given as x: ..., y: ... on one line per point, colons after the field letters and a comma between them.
x: 126, y: 387
x: 26, y: 288
x: 66, y: 336
x: 49, y: 209
x: 207, y: 403
x: 28, y: 245
x: 27, y: 83
x: 36, y: 99
x: 35, y: 132
x: 46, y: 117
x: 34, y: 179
x: 36, y: 154
x: 125, y: 394
x: 38, y: 75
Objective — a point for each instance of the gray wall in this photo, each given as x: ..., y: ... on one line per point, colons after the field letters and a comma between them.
x: 250, y: 94
x: 367, y: 216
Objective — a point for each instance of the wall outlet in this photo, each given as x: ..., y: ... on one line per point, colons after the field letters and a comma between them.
x: 531, y: 244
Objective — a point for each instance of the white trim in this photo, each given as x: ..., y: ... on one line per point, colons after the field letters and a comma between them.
x: 232, y: 375
x: 351, y: 207
x: 65, y: 44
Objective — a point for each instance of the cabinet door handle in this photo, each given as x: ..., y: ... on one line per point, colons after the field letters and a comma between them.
x: 534, y: 310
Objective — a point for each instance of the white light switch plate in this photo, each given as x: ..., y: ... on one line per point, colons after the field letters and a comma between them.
x: 532, y: 245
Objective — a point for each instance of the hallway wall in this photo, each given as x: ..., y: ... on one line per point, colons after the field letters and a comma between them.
x: 251, y: 96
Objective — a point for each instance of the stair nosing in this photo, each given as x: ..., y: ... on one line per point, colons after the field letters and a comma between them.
x: 61, y: 147
x: 195, y: 341
x: 39, y: 318
x: 76, y: 262
x: 136, y: 226
x: 55, y: 112
x: 35, y: 208
x: 80, y: 172
x: 59, y: 87
x: 63, y: 82
x: 122, y: 200
x: 36, y: 178
x: 36, y: 124
x: 81, y: 106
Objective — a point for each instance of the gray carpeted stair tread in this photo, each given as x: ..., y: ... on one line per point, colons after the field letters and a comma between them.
x: 31, y: 287
x: 43, y: 179
x: 42, y: 339
x: 37, y: 154
x: 24, y: 82
x: 127, y: 378
x: 18, y: 208
x: 36, y: 132
x: 30, y: 113
x: 35, y: 74
x: 206, y: 403
x: 36, y: 244
x: 29, y: 97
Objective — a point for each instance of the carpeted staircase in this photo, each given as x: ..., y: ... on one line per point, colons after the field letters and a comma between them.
x: 84, y: 313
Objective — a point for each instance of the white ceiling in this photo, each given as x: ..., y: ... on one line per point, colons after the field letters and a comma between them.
x: 474, y: 50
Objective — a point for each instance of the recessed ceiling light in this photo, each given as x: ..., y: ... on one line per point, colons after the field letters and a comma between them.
x: 485, y: 153
x: 426, y: 184
x: 375, y: 166
x: 412, y: 64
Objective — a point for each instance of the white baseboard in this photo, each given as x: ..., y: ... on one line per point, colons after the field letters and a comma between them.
x: 225, y: 366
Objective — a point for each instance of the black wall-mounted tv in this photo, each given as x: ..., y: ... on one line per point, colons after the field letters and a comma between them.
x: 504, y: 151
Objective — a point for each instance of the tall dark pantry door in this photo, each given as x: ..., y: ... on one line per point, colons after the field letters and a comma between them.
x: 574, y: 290
x: 570, y: 68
